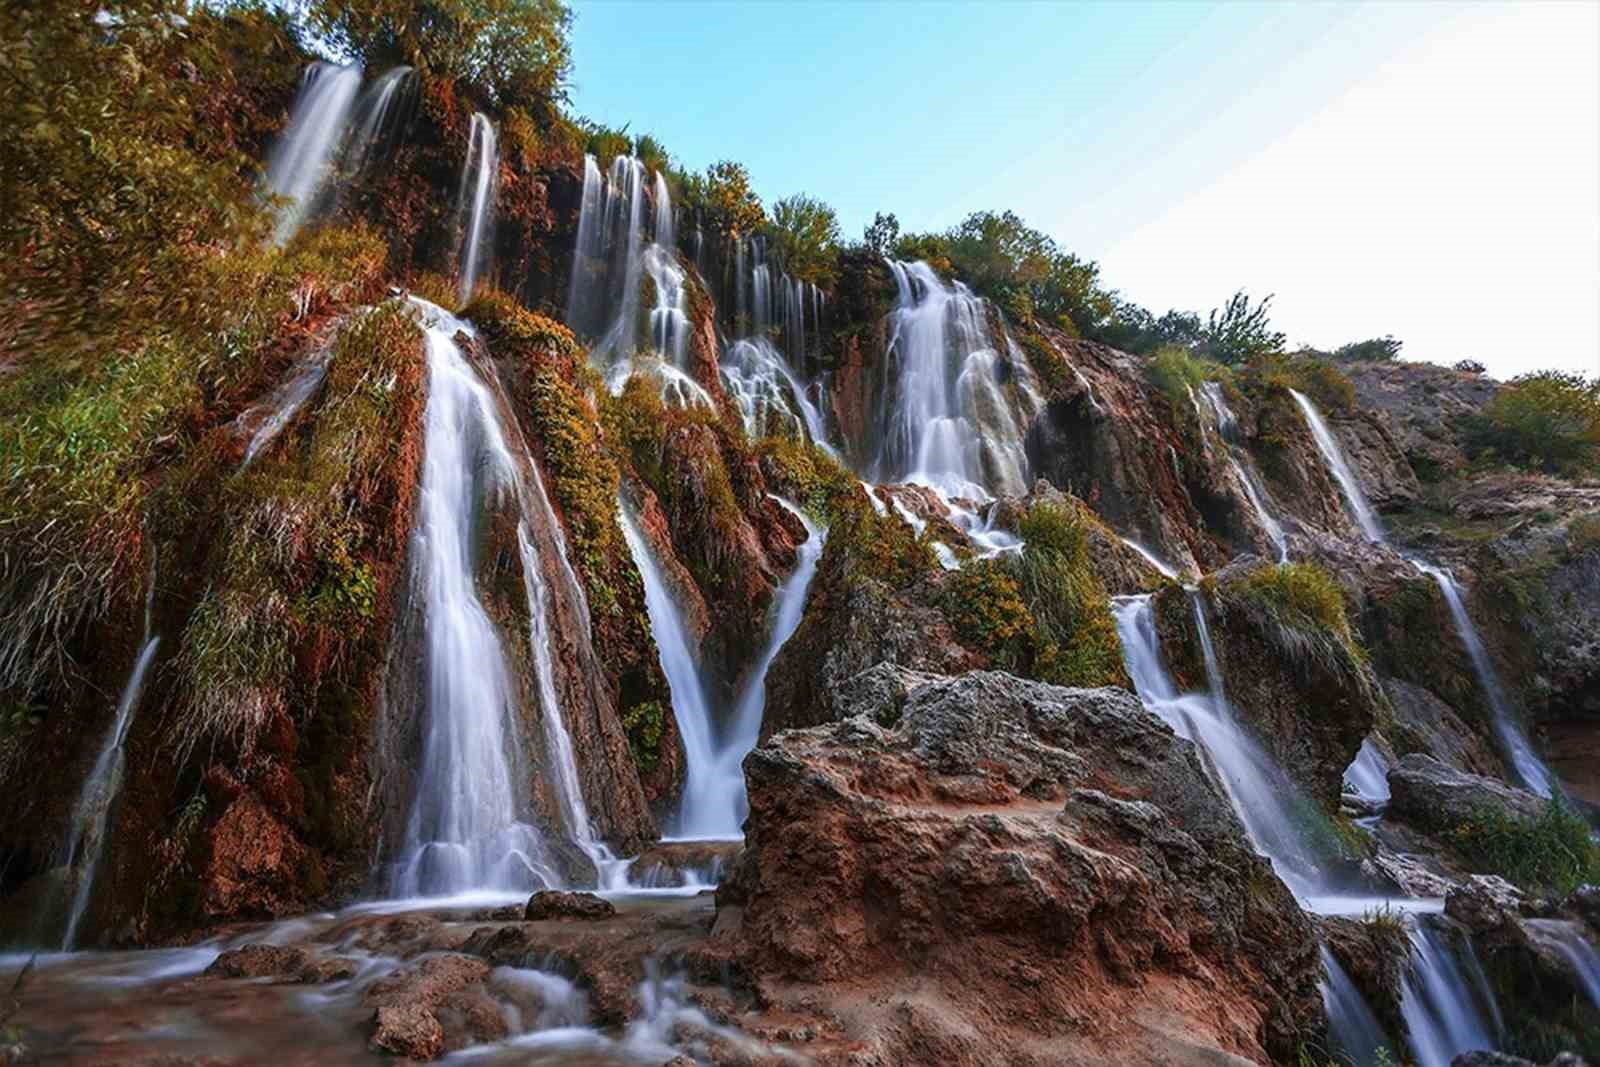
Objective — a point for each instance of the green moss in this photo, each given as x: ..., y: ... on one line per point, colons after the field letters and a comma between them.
x: 296, y: 531
x: 810, y: 477
x: 1299, y: 610
x: 1551, y: 853
x: 80, y: 440
x: 644, y: 724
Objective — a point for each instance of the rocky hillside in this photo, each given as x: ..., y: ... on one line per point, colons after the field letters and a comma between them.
x: 421, y: 499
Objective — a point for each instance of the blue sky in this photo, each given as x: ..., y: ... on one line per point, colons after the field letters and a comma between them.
x: 1425, y: 169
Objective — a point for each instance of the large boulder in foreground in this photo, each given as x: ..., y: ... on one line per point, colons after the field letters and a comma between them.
x: 1020, y: 873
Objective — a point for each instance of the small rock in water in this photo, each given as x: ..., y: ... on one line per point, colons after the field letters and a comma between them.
x: 334, y: 969
x: 259, y: 961
x: 556, y: 904
x: 407, y: 1030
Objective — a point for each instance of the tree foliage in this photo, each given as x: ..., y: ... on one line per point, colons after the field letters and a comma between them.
x: 882, y: 234
x: 805, y: 233
x: 1240, y: 331
x: 723, y: 199
x: 1549, y: 420
x: 515, y: 51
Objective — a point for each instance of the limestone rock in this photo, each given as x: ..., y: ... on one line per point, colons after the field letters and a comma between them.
x: 556, y: 904
x: 1432, y: 796
x: 1049, y: 868
x: 1485, y: 902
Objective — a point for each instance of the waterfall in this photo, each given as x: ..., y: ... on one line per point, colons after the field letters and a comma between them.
x: 788, y: 608
x: 376, y: 117
x: 475, y: 203
x: 705, y: 811
x: 300, y: 160
x: 623, y: 215
x: 283, y: 405
x: 585, y: 293
x: 1267, y: 801
x: 1334, y: 457
x: 1357, y: 1034
x: 86, y: 842
x: 665, y: 232
x: 1368, y: 774
x: 1570, y: 940
x: 1528, y: 769
x: 714, y: 800
x: 948, y: 422
x: 1443, y: 1002
x: 466, y: 829
x: 1243, y: 470
x: 1163, y: 568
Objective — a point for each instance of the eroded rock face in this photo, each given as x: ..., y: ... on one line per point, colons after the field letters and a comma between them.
x: 1305, y: 694
x: 853, y: 622
x: 1432, y: 796
x: 1048, y: 866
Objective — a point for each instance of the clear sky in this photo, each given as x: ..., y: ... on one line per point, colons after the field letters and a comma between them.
x: 1426, y: 169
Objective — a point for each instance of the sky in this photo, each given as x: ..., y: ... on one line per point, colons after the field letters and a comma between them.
x: 1423, y: 168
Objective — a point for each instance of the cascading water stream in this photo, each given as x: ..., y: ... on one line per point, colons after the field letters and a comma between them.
x: 376, y: 117
x: 948, y: 423
x: 714, y: 800
x: 467, y: 829
x: 703, y: 810
x: 1528, y: 769
x: 1356, y: 1032
x: 1445, y: 1002
x: 1571, y: 942
x: 1243, y: 469
x: 278, y: 410
x: 86, y: 840
x: 1525, y: 764
x: 1333, y: 455
x: 1266, y: 799
x: 300, y: 161
x: 1368, y: 774
x: 479, y: 181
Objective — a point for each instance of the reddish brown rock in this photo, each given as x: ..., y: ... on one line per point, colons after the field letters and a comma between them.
x: 1015, y: 873
x: 555, y: 904
x: 259, y: 961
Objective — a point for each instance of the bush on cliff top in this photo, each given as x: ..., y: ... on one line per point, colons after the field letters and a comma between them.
x: 1549, y: 421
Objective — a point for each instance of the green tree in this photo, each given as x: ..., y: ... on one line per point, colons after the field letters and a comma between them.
x: 516, y: 51
x: 1376, y: 350
x: 1549, y: 420
x: 726, y: 203
x: 1240, y: 331
x: 883, y: 233
x: 805, y: 232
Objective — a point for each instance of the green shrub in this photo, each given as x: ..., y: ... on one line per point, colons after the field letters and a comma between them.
x: 805, y: 234
x: 1044, y: 612
x: 1299, y: 610
x: 1549, y: 421
x: 1550, y: 853
x: 809, y: 476
x: 1377, y: 350
x: 1306, y: 373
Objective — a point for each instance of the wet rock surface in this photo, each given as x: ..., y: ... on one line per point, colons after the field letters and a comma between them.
x: 1011, y: 836
x: 554, y: 904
